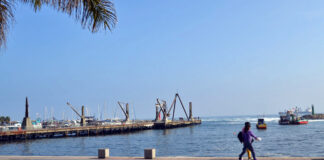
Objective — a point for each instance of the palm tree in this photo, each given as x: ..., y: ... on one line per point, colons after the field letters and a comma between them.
x: 7, y: 119
x: 93, y: 14
x: 1, y: 120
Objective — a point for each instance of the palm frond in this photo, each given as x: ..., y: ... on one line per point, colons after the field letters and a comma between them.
x: 98, y: 13
x: 36, y: 4
x: 6, y: 18
x: 93, y: 14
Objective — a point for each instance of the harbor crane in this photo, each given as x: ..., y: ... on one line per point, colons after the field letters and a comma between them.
x: 82, y: 116
x: 125, y: 111
x: 162, y: 107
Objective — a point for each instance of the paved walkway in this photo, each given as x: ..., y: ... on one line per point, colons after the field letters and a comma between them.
x: 159, y: 158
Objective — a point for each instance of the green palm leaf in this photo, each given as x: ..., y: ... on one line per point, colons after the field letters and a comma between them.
x: 6, y: 18
x: 93, y: 14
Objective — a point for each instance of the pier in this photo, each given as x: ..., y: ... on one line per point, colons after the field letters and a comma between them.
x: 175, y: 124
x: 74, y: 132
x: 91, y: 130
x: 90, y: 127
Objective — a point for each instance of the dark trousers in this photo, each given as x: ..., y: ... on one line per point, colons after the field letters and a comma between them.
x: 247, y: 146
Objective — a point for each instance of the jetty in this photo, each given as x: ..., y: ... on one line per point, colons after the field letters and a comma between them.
x: 74, y: 132
x: 93, y: 128
x: 314, y: 115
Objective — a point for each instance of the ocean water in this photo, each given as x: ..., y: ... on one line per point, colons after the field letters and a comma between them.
x: 215, y: 137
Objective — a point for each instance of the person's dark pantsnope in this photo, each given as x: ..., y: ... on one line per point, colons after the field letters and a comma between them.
x: 247, y: 146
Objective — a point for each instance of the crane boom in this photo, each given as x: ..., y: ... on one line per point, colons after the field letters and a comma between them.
x: 74, y: 109
x: 125, y: 111
x: 122, y: 108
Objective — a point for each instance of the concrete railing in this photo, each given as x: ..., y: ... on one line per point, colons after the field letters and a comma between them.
x: 148, y: 153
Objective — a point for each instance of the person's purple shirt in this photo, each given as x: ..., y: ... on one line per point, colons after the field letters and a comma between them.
x: 247, y: 136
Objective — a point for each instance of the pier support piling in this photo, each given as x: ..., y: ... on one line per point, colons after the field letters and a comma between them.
x: 190, y: 111
x: 127, y: 113
x: 157, y: 112
x: 83, y: 120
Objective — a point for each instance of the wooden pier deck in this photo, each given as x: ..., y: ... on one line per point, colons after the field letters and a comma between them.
x: 90, y: 130
x: 175, y: 124
x: 158, y: 158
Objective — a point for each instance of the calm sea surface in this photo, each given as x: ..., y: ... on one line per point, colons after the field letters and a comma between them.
x: 216, y: 136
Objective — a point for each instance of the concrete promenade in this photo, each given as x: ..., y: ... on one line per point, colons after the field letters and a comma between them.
x: 158, y: 158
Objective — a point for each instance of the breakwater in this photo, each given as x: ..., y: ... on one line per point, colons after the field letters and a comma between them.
x: 315, y: 116
x: 91, y: 130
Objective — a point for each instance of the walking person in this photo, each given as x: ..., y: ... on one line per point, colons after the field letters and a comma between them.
x: 247, y: 140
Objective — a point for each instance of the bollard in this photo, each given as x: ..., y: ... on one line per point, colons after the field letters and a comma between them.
x: 103, y: 153
x: 149, y: 153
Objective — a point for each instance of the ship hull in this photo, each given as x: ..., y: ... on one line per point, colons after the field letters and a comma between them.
x: 261, y: 126
x: 302, y: 122
x: 293, y: 122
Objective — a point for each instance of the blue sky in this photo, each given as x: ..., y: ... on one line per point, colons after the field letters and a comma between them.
x: 227, y: 57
